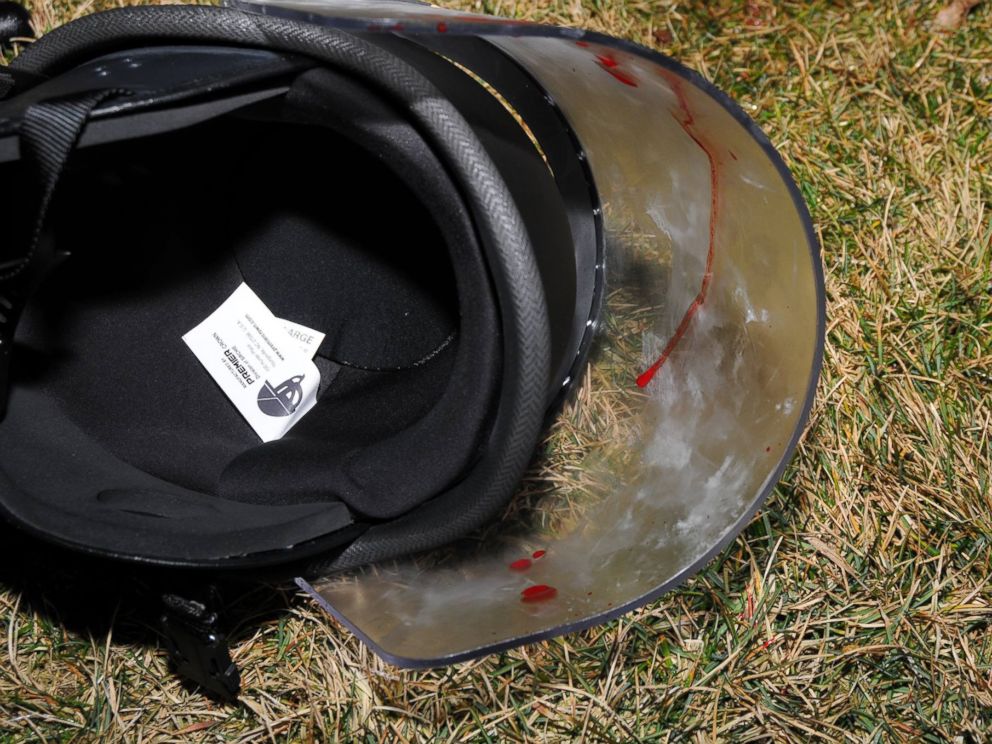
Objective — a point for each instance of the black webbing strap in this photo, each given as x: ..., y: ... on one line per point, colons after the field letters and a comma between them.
x: 49, y: 132
x: 13, y: 80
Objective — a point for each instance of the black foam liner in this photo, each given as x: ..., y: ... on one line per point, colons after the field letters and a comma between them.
x: 338, y: 215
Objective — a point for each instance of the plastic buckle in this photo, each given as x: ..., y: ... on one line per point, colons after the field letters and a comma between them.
x: 197, y: 647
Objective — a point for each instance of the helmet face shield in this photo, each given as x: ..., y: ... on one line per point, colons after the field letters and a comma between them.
x: 497, y: 236
x: 703, y: 362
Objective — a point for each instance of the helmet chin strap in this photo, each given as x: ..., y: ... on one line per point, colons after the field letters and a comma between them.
x: 48, y: 135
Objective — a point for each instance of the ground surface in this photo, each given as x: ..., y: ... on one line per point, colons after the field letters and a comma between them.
x: 857, y: 606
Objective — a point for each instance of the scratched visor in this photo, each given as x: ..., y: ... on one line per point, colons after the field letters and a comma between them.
x: 704, y: 347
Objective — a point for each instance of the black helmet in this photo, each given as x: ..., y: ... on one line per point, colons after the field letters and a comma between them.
x: 282, y: 294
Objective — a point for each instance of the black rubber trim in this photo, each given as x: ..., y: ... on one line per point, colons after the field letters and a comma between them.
x: 572, y: 173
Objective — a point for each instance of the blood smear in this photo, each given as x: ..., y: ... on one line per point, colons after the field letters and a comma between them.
x: 538, y: 593
x: 687, y: 123
x: 609, y: 63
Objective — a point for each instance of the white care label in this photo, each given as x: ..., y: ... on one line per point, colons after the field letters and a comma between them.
x: 306, y: 338
x: 263, y: 364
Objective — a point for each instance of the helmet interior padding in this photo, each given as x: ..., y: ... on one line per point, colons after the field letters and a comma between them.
x: 343, y: 221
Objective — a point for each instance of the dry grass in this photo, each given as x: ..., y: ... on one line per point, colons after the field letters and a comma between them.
x: 856, y: 607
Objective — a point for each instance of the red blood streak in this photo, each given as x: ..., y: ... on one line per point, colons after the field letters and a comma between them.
x: 539, y: 553
x: 582, y: 44
x: 623, y: 77
x: 609, y: 63
x: 538, y: 593
x: 442, y: 27
x: 522, y: 565
x: 687, y: 123
x: 607, y: 60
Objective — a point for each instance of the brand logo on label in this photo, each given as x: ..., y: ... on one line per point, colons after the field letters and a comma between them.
x: 282, y: 399
x: 238, y: 367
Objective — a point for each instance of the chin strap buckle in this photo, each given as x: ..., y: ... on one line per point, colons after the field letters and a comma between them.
x: 196, y: 645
